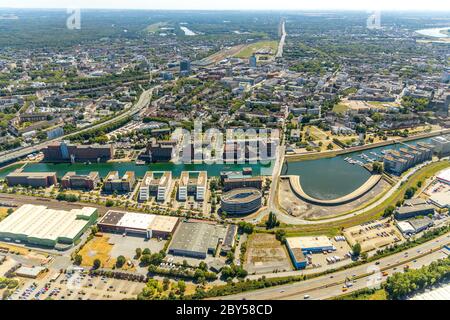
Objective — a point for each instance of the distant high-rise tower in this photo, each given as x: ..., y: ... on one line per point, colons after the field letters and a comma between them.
x: 252, y: 61
x: 185, y: 66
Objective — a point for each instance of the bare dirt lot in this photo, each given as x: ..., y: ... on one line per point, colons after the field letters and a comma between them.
x: 266, y: 254
x: 299, y: 208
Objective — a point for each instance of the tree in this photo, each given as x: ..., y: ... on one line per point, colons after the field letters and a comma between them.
x: 389, y: 211
x: 78, y: 259
x: 377, y: 167
x: 94, y: 230
x: 272, y: 221
x: 109, y: 203
x: 138, y: 253
x: 181, y: 286
x: 146, y: 251
x: 166, y: 283
x: 356, y: 249
x: 280, y: 235
x: 120, y: 261
x: 202, y: 265
x: 409, y: 193
x: 97, y: 264
x: 245, y: 227
x: 230, y: 257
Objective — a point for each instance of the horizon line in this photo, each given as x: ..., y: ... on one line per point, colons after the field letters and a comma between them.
x: 230, y: 9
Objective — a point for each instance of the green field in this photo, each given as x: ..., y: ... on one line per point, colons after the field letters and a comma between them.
x: 340, y: 108
x: 365, y: 295
x: 153, y: 28
x: 249, y: 50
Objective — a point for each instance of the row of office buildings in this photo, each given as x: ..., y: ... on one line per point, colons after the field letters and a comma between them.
x: 67, y: 152
x: 242, y: 192
x: 231, y: 151
x: 398, y: 161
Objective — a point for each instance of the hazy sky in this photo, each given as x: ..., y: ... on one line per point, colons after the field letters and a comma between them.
x: 436, y: 5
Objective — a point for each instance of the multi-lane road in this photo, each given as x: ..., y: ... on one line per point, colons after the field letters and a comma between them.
x: 282, y: 40
x: 328, y: 286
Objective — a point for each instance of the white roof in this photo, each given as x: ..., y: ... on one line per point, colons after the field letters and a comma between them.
x: 308, y: 242
x: 43, y: 223
x: 444, y: 175
x: 405, y: 227
x: 442, y: 199
x: 136, y: 220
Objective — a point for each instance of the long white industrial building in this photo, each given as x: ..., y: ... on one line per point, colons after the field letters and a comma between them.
x: 38, y: 225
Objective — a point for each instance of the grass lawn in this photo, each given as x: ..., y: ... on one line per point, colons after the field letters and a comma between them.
x: 340, y: 108
x: 247, y: 51
x: 336, y: 227
x: 377, y: 295
x: 317, y: 133
x: 3, y: 213
x: 155, y: 27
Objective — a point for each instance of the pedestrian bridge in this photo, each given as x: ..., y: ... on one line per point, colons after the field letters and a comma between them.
x: 296, y: 187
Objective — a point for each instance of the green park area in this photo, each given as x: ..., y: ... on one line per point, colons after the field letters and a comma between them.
x: 153, y: 28
x: 253, y: 48
x: 340, y: 108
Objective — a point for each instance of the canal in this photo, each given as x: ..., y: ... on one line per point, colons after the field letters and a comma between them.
x: 103, y: 168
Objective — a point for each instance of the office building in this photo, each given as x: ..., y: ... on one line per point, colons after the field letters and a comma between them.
x: 185, y: 67
x: 114, y: 183
x: 239, y: 181
x: 157, y: 184
x: 32, y: 179
x: 241, y: 201
x: 193, y: 183
x: 71, y: 180
x: 412, y: 209
x: 252, y: 61
x: 65, y: 152
x: 159, y: 151
x: 441, y: 145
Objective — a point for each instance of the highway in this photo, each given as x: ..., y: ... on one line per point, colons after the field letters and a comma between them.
x: 282, y: 40
x: 143, y: 101
x: 328, y: 286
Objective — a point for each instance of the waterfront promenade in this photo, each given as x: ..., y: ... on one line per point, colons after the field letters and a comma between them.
x: 296, y: 187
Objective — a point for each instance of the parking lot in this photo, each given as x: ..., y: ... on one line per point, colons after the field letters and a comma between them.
x: 77, y: 286
x: 334, y: 259
x: 373, y: 235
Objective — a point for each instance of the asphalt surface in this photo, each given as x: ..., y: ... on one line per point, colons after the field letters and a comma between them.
x: 331, y: 285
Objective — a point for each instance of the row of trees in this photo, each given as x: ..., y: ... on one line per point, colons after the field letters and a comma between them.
x: 399, y: 285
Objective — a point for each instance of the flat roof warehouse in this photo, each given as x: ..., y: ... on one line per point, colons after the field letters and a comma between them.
x: 138, y: 223
x: 42, y: 226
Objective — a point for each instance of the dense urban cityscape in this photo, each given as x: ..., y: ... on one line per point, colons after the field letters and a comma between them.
x: 190, y: 155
